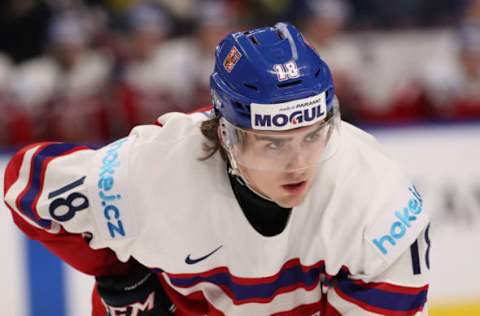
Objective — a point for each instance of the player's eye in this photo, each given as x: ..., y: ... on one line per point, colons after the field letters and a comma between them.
x: 316, y: 135
x: 313, y: 137
x: 274, y: 145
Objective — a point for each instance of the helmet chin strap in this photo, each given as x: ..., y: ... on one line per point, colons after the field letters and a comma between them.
x: 233, y: 168
x: 235, y: 171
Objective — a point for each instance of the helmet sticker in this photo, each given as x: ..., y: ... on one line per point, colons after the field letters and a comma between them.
x: 288, y: 115
x: 232, y: 58
x: 286, y: 71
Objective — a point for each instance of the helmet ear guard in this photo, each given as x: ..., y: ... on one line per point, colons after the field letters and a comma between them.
x: 227, y: 144
x: 225, y: 138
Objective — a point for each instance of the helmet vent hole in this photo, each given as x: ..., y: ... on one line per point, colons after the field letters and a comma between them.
x: 250, y: 86
x: 289, y: 84
x: 254, y: 40
x: 280, y: 35
x: 317, y: 72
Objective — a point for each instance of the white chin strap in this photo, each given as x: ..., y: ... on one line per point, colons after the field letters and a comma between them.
x: 235, y: 171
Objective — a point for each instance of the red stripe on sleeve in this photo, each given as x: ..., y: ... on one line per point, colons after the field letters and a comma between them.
x: 392, y: 287
x: 42, y: 174
x: 74, y: 250
x: 374, y: 309
x: 12, y: 170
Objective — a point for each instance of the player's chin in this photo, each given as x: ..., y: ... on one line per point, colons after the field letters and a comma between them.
x: 291, y: 201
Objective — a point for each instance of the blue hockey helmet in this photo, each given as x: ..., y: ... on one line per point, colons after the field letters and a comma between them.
x: 259, y: 74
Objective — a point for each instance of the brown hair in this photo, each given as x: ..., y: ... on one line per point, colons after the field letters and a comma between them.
x: 209, y: 129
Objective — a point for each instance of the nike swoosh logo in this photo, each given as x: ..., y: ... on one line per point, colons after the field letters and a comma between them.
x: 189, y: 260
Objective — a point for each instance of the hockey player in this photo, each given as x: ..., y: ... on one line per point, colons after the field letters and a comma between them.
x: 267, y: 205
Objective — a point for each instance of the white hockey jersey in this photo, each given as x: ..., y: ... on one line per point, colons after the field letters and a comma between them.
x: 358, y: 244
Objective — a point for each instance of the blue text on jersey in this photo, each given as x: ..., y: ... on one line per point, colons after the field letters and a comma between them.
x: 106, y: 183
x: 399, y: 228
x: 280, y: 120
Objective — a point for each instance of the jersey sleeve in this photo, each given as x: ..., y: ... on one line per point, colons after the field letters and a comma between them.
x: 72, y: 200
x: 399, y: 290
x: 394, y: 277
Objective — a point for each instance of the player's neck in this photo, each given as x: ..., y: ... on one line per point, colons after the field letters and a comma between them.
x: 265, y: 216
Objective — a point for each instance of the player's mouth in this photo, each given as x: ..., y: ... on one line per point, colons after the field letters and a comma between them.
x: 295, y: 188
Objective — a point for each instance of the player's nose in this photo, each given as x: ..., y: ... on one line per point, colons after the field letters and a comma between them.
x: 297, y: 162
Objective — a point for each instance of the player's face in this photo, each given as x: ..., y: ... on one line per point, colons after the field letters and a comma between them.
x: 287, y: 189
x: 278, y: 151
x: 288, y: 162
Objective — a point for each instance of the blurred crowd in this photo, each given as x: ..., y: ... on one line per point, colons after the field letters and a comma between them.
x: 88, y: 71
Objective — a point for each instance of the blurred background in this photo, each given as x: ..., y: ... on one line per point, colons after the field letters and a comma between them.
x: 87, y: 71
